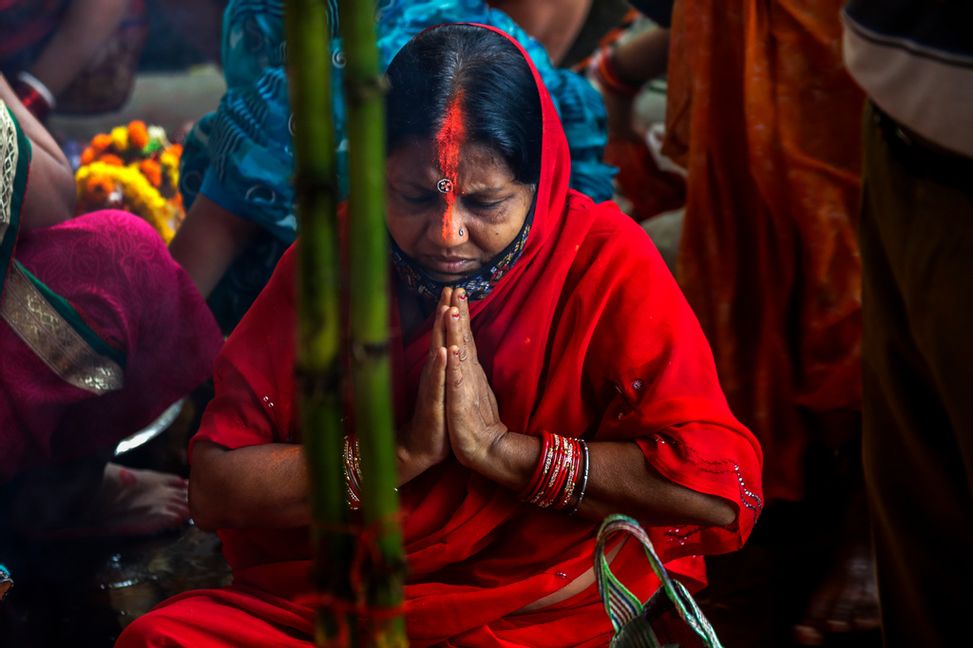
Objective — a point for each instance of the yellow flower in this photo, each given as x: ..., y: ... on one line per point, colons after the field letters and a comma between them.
x: 140, y: 197
x: 170, y: 166
x: 104, y: 180
x: 119, y: 138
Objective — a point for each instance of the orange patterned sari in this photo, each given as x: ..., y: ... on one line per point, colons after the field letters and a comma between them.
x: 767, y: 122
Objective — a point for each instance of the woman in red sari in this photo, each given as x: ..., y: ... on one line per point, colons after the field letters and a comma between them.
x: 100, y: 331
x: 528, y: 316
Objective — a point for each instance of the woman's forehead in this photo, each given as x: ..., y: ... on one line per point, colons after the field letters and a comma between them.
x: 417, y: 161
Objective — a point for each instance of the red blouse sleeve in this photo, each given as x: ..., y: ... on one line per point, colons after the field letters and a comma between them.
x: 254, y: 374
x: 649, y: 359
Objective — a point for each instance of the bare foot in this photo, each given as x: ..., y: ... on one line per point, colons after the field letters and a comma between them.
x: 140, y: 502
x: 846, y: 602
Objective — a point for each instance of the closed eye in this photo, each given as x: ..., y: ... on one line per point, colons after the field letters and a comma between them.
x: 483, y: 205
x: 421, y: 198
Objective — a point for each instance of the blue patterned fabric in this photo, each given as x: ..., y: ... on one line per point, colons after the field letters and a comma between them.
x: 6, y: 582
x: 241, y: 155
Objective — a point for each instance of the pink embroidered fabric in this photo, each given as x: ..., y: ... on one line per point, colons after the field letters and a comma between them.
x: 117, y: 273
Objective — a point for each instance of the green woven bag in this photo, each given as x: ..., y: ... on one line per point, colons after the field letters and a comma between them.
x: 669, y: 619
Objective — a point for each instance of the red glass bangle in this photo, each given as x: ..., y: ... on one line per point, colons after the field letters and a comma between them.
x: 543, y: 498
x: 583, y: 486
x: 542, y: 468
x: 32, y: 99
x: 604, y: 70
x: 572, y: 480
x: 557, y: 480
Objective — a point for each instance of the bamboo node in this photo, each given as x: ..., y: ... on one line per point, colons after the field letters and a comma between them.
x: 360, y: 90
x: 304, y: 186
x: 317, y: 381
x: 361, y: 351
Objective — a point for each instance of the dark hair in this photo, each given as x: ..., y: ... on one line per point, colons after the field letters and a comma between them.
x: 500, y: 98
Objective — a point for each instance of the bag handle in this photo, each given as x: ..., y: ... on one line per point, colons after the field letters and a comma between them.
x: 621, y: 605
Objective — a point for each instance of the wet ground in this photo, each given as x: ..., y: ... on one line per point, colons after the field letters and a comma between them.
x: 83, y: 593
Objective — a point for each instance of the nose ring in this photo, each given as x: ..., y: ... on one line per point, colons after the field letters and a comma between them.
x: 461, y: 232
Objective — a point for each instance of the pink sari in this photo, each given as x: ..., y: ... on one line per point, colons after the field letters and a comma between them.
x: 100, y: 330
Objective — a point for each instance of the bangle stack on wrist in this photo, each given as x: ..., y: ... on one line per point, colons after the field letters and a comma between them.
x: 34, y: 95
x: 352, y: 463
x: 561, y: 476
x: 605, y: 71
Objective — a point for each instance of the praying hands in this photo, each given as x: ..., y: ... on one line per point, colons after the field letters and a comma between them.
x: 456, y: 410
x: 472, y: 416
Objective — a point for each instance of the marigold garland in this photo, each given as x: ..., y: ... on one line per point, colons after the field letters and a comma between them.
x: 134, y: 168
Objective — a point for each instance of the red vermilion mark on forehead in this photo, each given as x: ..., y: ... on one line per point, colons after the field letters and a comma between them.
x: 449, y: 142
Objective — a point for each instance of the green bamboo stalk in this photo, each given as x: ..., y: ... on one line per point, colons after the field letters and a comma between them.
x: 364, y: 90
x: 309, y: 72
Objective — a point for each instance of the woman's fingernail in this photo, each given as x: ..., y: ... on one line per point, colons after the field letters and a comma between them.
x: 454, y: 314
x: 462, y: 295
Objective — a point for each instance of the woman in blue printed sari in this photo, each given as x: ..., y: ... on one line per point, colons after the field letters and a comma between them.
x: 236, y: 175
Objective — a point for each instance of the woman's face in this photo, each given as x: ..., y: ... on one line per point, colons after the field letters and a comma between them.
x: 489, y: 210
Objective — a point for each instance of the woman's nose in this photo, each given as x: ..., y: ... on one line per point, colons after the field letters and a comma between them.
x: 450, y: 230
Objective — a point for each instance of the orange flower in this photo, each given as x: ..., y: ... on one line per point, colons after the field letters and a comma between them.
x: 175, y: 149
x: 109, y: 158
x: 152, y: 171
x: 138, y: 134
x: 88, y: 155
x: 99, y: 188
x: 101, y: 142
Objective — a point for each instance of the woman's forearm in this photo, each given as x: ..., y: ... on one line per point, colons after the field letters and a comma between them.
x: 259, y: 486
x: 554, y: 23
x: 644, y: 56
x: 50, y: 189
x: 208, y: 241
x: 619, y: 481
x: 86, y: 26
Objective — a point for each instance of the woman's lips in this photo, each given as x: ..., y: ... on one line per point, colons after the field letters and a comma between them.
x: 449, y: 265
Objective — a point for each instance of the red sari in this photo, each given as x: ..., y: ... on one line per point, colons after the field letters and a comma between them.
x: 587, y: 335
x: 100, y: 330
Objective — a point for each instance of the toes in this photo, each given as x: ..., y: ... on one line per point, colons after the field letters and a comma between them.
x: 179, y: 508
x: 867, y: 615
x: 846, y: 603
x: 177, y: 493
x: 839, y: 620
x: 175, y: 481
x: 176, y: 517
x: 811, y: 630
x: 807, y: 635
